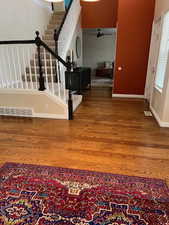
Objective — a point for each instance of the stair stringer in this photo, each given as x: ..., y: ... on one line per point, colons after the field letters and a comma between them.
x: 42, y: 103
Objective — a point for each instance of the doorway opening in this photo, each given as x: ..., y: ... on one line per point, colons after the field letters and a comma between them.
x: 99, y: 48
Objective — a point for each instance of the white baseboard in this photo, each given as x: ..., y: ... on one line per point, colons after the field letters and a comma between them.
x: 127, y: 96
x: 50, y: 116
x: 159, y: 121
x: 77, y: 99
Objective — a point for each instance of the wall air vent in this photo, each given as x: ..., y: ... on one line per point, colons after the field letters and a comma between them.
x: 16, y: 111
x: 148, y: 114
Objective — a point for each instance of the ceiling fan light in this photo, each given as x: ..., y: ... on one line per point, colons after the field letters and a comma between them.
x: 99, y: 33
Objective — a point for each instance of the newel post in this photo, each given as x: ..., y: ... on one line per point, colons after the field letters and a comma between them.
x: 41, y: 77
x: 55, y: 36
x: 70, y: 102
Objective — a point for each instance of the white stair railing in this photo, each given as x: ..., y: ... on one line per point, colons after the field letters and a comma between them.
x: 19, y: 68
x: 13, y: 61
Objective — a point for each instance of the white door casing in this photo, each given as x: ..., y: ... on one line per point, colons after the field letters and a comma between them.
x: 153, y: 58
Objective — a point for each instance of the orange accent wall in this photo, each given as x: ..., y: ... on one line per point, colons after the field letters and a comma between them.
x: 101, y: 14
x: 135, y: 19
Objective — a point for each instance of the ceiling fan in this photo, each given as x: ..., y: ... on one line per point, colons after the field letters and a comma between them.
x: 100, y: 33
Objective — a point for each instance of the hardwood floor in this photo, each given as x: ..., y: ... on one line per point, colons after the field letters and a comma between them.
x: 108, y: 135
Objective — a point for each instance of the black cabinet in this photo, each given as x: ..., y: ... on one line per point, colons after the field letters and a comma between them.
x: 79, y: 79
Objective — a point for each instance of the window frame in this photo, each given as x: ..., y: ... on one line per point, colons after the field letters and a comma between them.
x: 165, y: 22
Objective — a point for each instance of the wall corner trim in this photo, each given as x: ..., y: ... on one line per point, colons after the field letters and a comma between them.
x: 159, y: 121
x: 127, y: 96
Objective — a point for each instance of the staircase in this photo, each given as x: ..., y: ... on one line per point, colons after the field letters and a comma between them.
x: 32, y: 73
x: 54, y: 23
x: 48, y: 63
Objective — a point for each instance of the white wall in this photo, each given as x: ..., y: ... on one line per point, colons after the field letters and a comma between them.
x: 43, y: 104
x: 159, y: 100
x: 98, y: 50
x: 19, y: 21
x: 21, y: 18
x: 162, y: 6
x: 72, y: 27
x: 78, y: 32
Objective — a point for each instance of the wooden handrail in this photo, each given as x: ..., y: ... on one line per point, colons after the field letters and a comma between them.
x: 13, y: 42
x: 57, y: 32
x: 39, y: 41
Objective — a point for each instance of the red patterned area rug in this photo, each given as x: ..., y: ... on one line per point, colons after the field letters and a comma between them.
x: 42, y: 195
